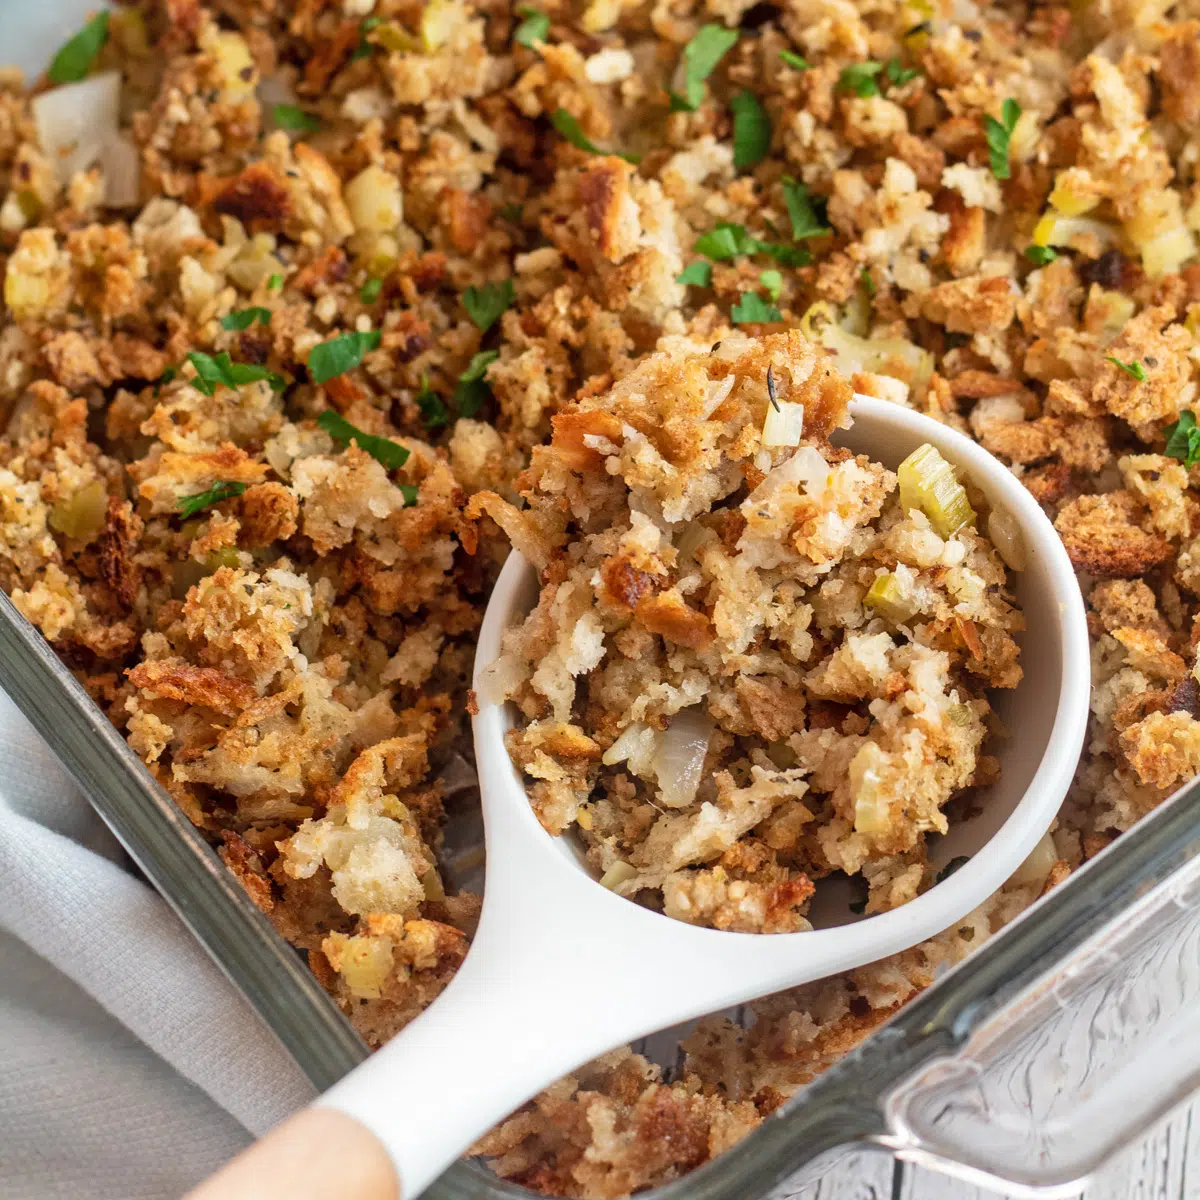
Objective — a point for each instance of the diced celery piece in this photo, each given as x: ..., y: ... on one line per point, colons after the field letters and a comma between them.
x: 888, y: 597
x: 928, y: 482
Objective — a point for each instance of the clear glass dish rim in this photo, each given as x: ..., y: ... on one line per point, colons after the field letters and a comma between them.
x: 843, y: 1106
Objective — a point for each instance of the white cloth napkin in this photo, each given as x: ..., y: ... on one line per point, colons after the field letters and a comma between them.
x: 129, y: 1066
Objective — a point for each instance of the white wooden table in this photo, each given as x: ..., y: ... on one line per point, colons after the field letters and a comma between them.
x: 1166, y: 1166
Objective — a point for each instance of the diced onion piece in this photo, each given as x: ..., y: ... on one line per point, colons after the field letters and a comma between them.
x: 122, y: 167
x: 1166, y: 253
x: 1037, y: 867
x: 81, y: 515
x: 679, y: 762
x: 960, y: 715
x: 375, y: 201
x: 1005, y: 534
x: 694, y: 534
x: 1071, y: 201
x: 364, y: 965
x: 888, y: 597
x: 871, y: 813
x: 438, y: 22
x: 431, y: 881
x: 872, y: 355
x: 620, y: 872
x: 637, y: 746
x: 784, y: 425
x: 928, y: 482
x: 76, y: 120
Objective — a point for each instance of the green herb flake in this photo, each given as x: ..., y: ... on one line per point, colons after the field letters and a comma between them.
x: 1133, y: 367
x: 864, y: 277
x: 215, y: 369
x: 409, y: 492
x: 772, y: 280
x: 534, y: 28
x: 340, y: 354
x: 1183, y: 439
x: 794, y: 61
x: 1041, y: 255
x: 697, y: 274
x: 369, y: 292
x: 243, y: 318
x: 752, y: 309
x: 382, y: 450
x: 725, y: 241
x: 472, y: 391
x: 898, y: 76
x: 433, y: 408
x: 859, y: 78
x: 75, y: 59
x: 512, y: 212
x: 165, y: 378
x: 295, y: 120
x: 751, y: 130
x: 953, y: 865
x: 805, y: 221
x: 484, y: 305
x: 189, y: 506
x: 365, y: 48
x: 569, y: 128
x: 275, y: 283
x: 998, y: 134
x: 708, y: 46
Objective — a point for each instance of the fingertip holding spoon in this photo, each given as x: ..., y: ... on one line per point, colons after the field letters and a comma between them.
x: 562, y: 969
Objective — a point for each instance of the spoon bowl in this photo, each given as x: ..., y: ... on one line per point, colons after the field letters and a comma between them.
x: 561, y: 969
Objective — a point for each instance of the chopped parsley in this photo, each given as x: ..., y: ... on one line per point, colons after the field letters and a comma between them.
x: 243, y: 318
x: 1133, y: 367
x: 1183, y: 438
x: 409, y: 492
x: 999, y: 134
x: 369, y: 292
x: 339, y: 354
x: 953, y: 865
x: 189, y: 506
x: 753, y: 309
x: 484, y: 305
x: 433, y: 408
x: 700, y: 57
x: 472, y: 391
x: 751, y: 130
x: 382, y: 450
x: 165, y: 378
x: 864, y: 277
x: 296, y: 120
x: 220, y: 369
x: 794, y: 61
x: 805, y: 221
x: 365, y: 48
x: 772, y: 280
x: 569, y: 128
x: 898, y: 76
x: 534, y: 28
x: 274, y: 283
x: 77, y: 57
x: 863, y: 78
x: 1040, y: 255
x: 697, y: 274
x: 725, y: 241
x: 859, y: 78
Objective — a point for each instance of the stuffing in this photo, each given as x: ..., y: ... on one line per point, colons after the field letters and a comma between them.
x: 673, y: 644
x: 268, y: 430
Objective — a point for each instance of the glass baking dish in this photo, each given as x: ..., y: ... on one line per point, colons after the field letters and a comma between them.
x: 1027, y: 1066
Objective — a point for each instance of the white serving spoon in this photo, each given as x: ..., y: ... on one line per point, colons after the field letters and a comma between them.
x: 562, y: 969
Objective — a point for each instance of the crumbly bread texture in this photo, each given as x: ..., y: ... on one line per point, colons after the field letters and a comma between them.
x: 712, y: 702
x: 292, y: 662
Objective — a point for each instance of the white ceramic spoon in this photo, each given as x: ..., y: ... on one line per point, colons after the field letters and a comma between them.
x: 562, y: 969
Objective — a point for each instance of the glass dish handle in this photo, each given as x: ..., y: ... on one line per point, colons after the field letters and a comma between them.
x: 1088, y: 1058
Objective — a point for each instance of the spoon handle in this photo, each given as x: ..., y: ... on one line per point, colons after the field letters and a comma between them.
x: 319, y: 1154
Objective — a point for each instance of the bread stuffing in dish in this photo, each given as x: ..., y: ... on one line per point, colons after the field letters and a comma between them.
x: 287, y: 285
x: 755, y: 660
